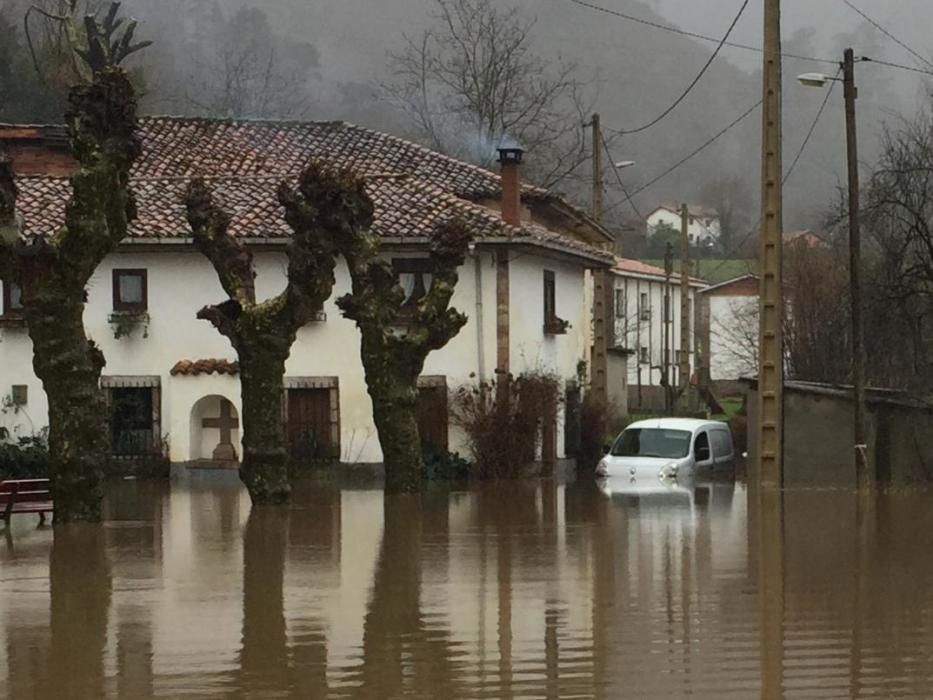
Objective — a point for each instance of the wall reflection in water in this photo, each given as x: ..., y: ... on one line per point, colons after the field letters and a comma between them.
x: 499, y: 591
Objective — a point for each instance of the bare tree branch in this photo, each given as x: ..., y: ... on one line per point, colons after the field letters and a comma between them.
x: 473, y: 81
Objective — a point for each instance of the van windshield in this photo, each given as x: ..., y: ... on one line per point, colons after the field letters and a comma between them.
x: 652, y: 442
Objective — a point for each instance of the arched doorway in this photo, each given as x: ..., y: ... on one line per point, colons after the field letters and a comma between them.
x: 215, y: 430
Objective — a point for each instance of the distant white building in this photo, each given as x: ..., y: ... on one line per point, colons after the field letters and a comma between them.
x: 640, y: 328
x: 703, y: 224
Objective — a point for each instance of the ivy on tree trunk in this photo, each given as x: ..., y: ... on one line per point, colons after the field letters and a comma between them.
x: 398, y: 335
x: 262, y: 333
x: 53, y: 274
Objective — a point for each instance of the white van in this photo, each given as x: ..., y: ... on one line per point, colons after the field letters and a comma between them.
x: 665, y: 447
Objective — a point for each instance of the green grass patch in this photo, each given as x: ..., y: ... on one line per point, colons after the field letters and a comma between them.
x: 731, y: 406
x: 714, y: 270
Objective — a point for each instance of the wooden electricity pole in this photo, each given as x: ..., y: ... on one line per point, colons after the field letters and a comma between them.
x: 666, y: 356
x: 597, y: 169
x: 684, y: 301
x: 770, y: 428
x: 602, y: 286
x: 862, y: 473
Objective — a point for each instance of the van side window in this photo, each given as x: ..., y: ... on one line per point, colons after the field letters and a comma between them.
x: 722, y: 444
x: 701, y: 444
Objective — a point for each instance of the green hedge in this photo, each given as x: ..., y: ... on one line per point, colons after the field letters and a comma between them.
x: 23, y: 458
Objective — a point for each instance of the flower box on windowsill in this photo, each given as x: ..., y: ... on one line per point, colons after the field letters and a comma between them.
x: 556, y: 326
x: 124, y: 323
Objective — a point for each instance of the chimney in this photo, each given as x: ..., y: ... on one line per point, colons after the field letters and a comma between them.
x: 510, y: 158
x: 38, y: 150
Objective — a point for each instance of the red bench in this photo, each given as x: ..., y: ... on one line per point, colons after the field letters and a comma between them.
x: 25, y: 496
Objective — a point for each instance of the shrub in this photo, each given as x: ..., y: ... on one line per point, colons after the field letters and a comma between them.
x: 595, y: 421
x: 441, y: 465
x: 503, y: 421
x: 23, y: 458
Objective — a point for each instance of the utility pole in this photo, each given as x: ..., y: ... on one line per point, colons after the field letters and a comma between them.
x: 770, y: 428
x: 597, y: 168
x: 862, y: 473
x: 602, y: 285
x: 666, y: 359
x: 684, y: 301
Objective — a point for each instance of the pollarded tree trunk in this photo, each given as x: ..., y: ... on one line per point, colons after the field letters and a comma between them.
x: 394, y: 394
x: 69, y: 366
x: 262, y: 333
x: 53, y: 274
x: 262, y: 358
x: 397, y: 338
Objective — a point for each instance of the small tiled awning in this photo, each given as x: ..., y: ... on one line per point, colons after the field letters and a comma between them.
x: 194, y: 368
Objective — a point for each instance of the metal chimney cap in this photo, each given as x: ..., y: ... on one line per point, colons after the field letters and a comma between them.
x: 510, y: 152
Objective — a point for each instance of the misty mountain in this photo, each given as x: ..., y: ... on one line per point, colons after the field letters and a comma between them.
x: 332, y: 57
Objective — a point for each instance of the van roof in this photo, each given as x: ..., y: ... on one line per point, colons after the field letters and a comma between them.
x: 691, y: 424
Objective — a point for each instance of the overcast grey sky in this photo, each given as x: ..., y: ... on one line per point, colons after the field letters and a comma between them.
x: 640, y: 70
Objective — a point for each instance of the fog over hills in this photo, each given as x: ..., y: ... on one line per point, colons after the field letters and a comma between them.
x: 640, y: 70
x: 633, y: 72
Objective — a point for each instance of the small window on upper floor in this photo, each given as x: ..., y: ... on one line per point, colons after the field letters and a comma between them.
x: 620, y: 303
x: 643, y: 355
x: 414, y: 277
x: 130, y: 291
x: 12, y: 301
x: 550, y: 296
x: 644, y: 310
x: 553, y: 324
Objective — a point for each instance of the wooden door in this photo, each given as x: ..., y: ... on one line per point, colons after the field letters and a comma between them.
x: 309, y: 424
x: 432, y: 417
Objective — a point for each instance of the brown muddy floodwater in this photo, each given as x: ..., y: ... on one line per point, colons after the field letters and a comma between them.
x: 500, y: 591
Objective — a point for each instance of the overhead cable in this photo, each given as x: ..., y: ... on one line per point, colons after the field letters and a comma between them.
x: 692, y: 35
x: 803, y: 146
x: 709, y: 142
x: 888, y: 34
x: 693, y: 83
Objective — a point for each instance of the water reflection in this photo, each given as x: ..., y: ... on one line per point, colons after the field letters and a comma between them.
x: 500, y: 591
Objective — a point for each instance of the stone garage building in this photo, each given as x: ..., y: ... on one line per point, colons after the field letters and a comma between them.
x: 819, y: 435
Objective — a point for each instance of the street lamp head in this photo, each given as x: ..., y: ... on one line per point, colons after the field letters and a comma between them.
x: 813, y: 79
x: 624, y: 164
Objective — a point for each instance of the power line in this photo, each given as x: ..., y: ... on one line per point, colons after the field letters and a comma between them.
x: 692, y: 35
x: 709, y: 142
x: 787, y: 174
x: 889, y: 64
x: 888, y: 34
x: 816, y: 121
x: 619, y: 179
x: 696, y: 80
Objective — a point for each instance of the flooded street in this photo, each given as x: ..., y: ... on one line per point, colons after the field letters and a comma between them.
x: 520, y: 590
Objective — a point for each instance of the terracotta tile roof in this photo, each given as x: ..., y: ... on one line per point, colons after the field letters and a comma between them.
x: 184, y: 147
x: 413, y: 188
x: 406, y: 211
x: 194, y: 368
x: 637, y: 267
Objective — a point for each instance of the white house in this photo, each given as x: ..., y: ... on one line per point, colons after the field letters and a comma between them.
x: 732, y: 311
x: 703, y: 225
x: 172, y: 379
x: 640, y: 316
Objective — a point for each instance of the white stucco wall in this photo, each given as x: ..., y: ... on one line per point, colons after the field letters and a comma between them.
x: 181, y: 281
x: 634, y: 333
x: 733, y: 337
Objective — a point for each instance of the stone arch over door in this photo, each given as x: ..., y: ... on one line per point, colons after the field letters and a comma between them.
x: 215, y: 430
